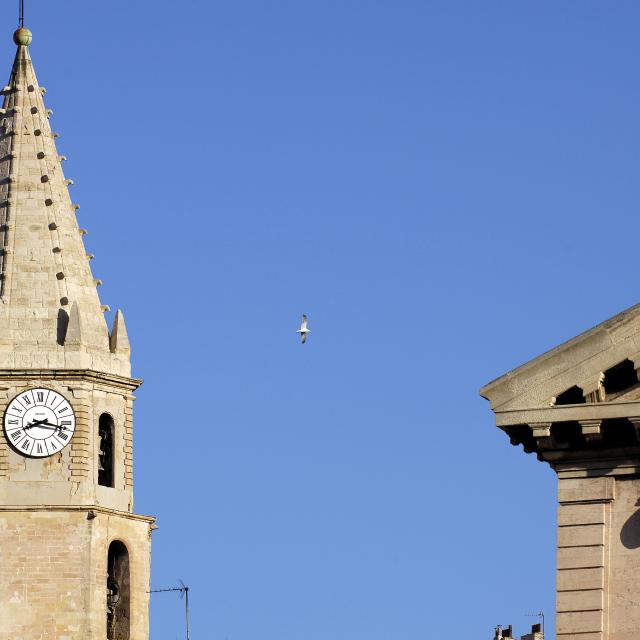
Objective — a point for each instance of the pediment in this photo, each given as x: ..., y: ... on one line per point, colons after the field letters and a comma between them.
x: 598, y: 366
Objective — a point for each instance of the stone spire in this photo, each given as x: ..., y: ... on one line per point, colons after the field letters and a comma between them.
x: 50, y: 313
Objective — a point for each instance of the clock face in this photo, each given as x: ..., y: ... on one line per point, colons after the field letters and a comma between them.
x: 39, y: 423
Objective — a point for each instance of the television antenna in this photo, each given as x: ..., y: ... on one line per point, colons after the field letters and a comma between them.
x: 184, y: 593
x: 540, y: 615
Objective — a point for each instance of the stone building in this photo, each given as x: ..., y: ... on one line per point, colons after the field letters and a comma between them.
x: 74, y: 557
x: 577, y: 408
x: 507, y: 634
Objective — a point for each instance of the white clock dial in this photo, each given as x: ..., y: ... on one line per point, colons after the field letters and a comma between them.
x: 39, y: 423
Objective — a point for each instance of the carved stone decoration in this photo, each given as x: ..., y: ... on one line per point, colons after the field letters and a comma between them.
x: 635, y: 421
x: 595, y: 392
x: 591, y: 429
x: 542, y: 433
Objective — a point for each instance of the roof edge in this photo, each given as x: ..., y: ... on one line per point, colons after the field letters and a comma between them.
x: 491, y: 390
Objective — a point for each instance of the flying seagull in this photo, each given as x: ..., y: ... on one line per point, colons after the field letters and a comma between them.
x: 303, y: 329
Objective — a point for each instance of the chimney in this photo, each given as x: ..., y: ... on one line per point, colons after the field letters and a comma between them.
x: 536, y: 633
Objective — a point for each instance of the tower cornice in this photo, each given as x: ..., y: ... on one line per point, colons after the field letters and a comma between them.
x: 35, y: 376
x: 96, y: 509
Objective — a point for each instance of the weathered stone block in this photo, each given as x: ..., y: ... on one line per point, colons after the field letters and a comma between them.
x: 579, y: 622
x: 573, y: 514
x: 581, y: 535
x: 590, y: 600
x: 578, y: 579
x: 580, y: 557
x: 586, y: 490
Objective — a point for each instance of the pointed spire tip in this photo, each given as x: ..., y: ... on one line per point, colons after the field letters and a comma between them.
x: 23, y: 37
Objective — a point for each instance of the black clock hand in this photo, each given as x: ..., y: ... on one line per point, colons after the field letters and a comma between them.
x: 46, y: 423
x: 35, y: 423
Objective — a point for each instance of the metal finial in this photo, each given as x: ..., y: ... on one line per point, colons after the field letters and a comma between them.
x: 22, y: 37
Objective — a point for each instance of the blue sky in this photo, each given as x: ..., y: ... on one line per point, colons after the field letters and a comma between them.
x: 447, y: 189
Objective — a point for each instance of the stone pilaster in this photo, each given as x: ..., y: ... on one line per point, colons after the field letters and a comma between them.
x: 584, y: 523
x: 128, y: 441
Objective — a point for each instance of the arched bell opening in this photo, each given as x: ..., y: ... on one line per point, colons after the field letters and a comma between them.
x: 118, y: 592
x: 106, y: 433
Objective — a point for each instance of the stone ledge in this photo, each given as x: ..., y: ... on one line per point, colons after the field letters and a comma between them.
x: 10, y: 375
x: 568, y: 413
x: 77, y: 508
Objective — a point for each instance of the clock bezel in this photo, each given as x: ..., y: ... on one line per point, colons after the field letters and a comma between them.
x: 65, y: 422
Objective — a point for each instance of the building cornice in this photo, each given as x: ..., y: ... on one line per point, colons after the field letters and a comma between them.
x: 566, y: 413
x: 94, y: 509
x: 123, y: 382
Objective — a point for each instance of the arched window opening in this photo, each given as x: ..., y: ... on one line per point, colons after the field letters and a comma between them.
x: 118, y: 592
x: 105, y: 455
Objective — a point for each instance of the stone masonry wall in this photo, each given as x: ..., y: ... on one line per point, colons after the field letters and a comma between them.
x: 624, y: 574
x: 53, y: 573
x: 598, y: 585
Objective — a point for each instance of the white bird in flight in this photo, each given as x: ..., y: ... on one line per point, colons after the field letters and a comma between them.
x: 303, y: 331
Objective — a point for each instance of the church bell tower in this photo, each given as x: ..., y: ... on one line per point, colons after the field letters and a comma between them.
x: 74, y: 557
